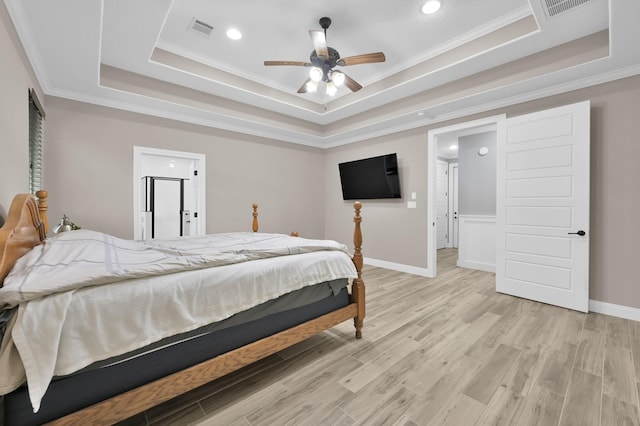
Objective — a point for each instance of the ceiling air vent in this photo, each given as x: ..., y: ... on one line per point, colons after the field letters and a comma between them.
x: 556, y: 7
x: 200, y: 27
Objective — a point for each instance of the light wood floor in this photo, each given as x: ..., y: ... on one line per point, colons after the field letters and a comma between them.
x: 443, y: 351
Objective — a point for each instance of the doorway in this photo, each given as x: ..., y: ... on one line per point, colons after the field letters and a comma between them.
x: 439, y: 140
x: 169, y: 193
x: 166, y: 214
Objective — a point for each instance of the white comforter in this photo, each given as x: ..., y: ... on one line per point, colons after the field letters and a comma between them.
x: 68, y: 318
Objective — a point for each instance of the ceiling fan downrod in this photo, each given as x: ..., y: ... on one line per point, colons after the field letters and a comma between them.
x: 325, y: 22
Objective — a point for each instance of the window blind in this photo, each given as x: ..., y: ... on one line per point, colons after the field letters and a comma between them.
x: 36, y: 118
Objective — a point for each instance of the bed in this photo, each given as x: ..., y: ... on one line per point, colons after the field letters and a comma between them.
x: 164, y: 364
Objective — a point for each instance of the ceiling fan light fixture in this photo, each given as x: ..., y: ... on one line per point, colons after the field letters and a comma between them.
x: 432, y: 6
x: 331, y: 89
x: 338, y: 78
x: 315, y: 74
x: 311, y: 86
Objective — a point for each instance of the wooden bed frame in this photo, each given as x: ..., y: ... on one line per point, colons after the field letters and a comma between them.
x: 26, y: 227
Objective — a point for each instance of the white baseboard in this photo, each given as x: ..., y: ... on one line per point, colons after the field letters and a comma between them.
x: 619, y: 311
x: 483, y: 266
x: 415, y: 270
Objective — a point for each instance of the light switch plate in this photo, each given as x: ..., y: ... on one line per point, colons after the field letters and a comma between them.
x: 411, y: 204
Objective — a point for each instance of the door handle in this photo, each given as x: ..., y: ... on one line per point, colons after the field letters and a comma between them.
x: 580, y: 232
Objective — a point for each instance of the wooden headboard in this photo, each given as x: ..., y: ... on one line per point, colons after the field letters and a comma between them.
x: 26, y: 227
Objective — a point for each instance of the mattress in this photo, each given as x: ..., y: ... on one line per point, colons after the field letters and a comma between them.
x: 119, y: 374
x: 295, y: 299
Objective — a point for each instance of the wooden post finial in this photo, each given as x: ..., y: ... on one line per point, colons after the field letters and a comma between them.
x: 255, y: 217
x: 43, y: 207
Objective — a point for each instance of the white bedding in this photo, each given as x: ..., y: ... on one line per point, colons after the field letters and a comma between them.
x: 68, y: 318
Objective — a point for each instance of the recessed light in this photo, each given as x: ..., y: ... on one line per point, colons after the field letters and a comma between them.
x: 453, y: 147
x: 432, y: 6
x: 234, y: 34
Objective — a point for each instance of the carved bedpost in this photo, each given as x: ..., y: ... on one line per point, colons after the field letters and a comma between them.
x: 43, y: 207
x: 23, y: 229
x: 255, y: 217
x: 357, y: 287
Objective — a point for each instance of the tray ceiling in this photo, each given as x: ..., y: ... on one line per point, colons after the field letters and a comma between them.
x: 471, y: 56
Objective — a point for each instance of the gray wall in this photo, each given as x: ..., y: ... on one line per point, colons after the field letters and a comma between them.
x: 392, y: 232
x: 477, y: 174
x: 89, y: 171
x: 16, y: 78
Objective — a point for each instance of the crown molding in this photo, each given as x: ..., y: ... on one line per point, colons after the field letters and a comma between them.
x: 17, y: 15
x: 408, y: 121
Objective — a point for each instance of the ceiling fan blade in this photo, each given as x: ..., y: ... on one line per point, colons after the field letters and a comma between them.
x: 353, y: 85
x: 367, y: 58
x: 319, y: 43
x: 292, y: 63
x: 303, y: 88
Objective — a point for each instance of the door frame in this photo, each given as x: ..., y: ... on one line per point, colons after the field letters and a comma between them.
x: 432, y: 140
x: 200, y: 191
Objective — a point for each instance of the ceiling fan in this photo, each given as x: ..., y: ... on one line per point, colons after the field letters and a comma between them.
x: 322, y: 61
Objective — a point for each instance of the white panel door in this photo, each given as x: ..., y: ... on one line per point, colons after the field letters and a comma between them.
x: 442, y: 204
x: 542, y: 211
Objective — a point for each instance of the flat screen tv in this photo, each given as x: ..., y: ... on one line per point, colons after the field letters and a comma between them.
x: 370, y: 178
